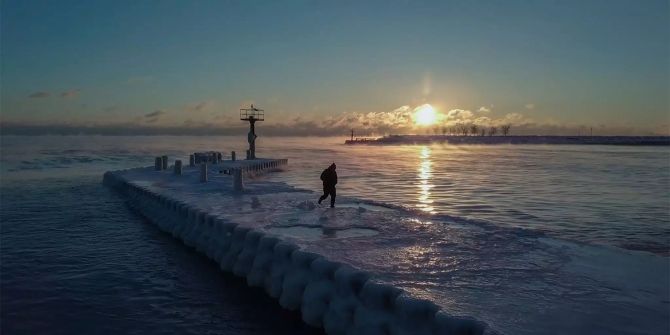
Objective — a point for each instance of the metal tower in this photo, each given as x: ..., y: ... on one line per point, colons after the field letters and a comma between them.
x: 252, y: 115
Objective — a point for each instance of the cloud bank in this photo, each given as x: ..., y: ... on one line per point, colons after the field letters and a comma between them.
x: 396, y: 121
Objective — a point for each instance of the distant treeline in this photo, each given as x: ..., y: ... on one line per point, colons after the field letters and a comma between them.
x: 493, y: 139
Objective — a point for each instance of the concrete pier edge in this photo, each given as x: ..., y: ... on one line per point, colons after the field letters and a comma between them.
x: 334, y: 296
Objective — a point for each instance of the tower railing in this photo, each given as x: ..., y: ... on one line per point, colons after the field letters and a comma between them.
x: 256, y: 114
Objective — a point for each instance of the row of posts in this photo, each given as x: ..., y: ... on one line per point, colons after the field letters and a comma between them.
x: 161, y: 163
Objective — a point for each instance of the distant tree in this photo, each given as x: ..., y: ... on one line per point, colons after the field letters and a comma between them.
x: 464, y: 129
x: 482, y: 131
x: 474, y: 129
x: 505, y: 129
x: 492, y: 131
x: 444, y: 130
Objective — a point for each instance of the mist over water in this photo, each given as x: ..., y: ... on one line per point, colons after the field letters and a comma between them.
x: 72, y: 251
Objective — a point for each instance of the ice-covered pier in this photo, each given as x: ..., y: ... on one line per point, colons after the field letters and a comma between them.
x: 322, y: 262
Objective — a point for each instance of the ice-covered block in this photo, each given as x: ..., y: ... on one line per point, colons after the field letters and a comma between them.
x: 280, y: 265
x: 296, y: 279
x: 415, y: 315
x: 211, y: 236
x: 224, y: 240
x: 379, y: 296
x: 303, y: 259
x: 447, y: 324
x: 260, y: 269
x: 236, y: 245
x: 349, y: 281
x: 370, y: 321
x: 319, y: 292
x: 339, y: 317
x: 246, y: 257
x: 324, y: 268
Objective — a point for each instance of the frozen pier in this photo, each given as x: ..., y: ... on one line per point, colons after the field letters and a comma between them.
x: 354, y: 269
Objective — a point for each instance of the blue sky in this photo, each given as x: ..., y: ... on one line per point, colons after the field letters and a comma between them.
x: 544, y: 65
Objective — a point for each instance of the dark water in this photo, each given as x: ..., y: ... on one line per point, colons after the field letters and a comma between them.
x: 76, y: 260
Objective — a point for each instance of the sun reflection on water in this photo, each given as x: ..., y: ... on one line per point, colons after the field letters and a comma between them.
x: 425, y: 174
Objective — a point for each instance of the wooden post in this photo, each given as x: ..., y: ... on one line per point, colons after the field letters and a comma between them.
x: 177, y: 167
x: 158, y: 165
x: 232, y: 155
x: 164, y: 162
x: 203, y: 172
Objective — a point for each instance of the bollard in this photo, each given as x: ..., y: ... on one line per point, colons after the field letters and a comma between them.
x: 191, y: 160
x: 158, y: 165
x: 232, y: 155
x: 177, y: 167
x: 164, y: 162
x: 203, y: 172
x: 238, y: 184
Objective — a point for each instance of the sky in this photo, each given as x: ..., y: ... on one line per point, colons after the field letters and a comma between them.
x: 323, y: 67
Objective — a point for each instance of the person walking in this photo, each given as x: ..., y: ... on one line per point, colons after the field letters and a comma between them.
x: 329, y: 178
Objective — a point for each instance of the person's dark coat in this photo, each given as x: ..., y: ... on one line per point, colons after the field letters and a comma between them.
x: 329, y: 177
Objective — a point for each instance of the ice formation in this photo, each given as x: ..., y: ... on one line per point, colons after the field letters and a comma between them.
x: 333, y: 295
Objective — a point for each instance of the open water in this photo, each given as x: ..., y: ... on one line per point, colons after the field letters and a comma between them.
x: 75, y: 259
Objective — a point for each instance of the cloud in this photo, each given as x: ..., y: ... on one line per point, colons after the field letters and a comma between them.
x: 484, y: 109
x: 458, y: 115
x: 530, y: 106
x: 483, y: 121
x: 70, y: 94
x: 40, y: 94
x: 153, y: 116
x: 514, y: 118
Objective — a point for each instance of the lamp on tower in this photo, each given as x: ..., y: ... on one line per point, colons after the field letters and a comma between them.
x: 252, y: 115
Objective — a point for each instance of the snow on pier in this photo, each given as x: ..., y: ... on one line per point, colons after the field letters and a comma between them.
x: 332, y: 265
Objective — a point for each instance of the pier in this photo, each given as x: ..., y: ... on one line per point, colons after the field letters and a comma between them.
x: 340, y: 268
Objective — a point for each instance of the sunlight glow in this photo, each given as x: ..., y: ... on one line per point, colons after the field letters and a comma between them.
x: 425, y: 115
x: 425, y: 175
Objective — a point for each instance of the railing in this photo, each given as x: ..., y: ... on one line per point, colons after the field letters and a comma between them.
x: 247, y: 114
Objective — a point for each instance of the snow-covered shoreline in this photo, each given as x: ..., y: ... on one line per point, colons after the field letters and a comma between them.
x: 244, y: 236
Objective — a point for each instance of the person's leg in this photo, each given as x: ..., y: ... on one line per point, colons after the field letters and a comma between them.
x: 324, y: 196
x: 333, y: 193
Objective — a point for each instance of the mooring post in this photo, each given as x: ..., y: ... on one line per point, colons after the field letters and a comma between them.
x: 203, y: 172
x: 158, y: 165
x: 191, y: 160
x: 164, y: 162
x: 238, y: 184
x: 177, y: 167
x: 232, y: 155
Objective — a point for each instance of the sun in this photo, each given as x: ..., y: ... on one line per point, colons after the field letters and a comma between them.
x: 425, y: 115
